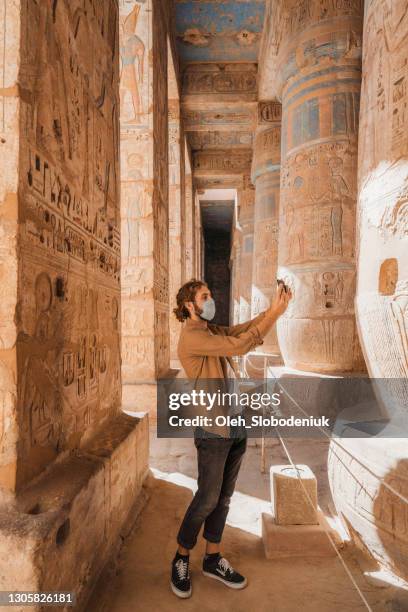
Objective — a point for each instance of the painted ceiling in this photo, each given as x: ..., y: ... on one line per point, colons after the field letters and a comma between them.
x: 218, y: 45
x: 219, y: 30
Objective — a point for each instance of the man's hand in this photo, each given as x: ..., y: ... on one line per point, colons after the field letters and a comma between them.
x: 280, y: 302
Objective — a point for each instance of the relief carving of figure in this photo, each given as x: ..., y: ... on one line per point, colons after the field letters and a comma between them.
x: 340, y: 194
x: 47, y: 116
x: 132, y: 54
x: 340, y: 191
x: 42, y: 402
x: 295, y: 235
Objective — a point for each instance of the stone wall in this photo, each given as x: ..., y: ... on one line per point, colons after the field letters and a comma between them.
x: 71, y: 461
x: 60, y: 332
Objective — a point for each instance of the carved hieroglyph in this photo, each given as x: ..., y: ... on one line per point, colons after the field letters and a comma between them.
x: 144, y: 195
x: 266, y: 178
x: 377, y: 514
x: 60, y: 319
x: 228, y: 80
x: 318, y: 73
x: 221, y: 117
x: 209, y: 163
x: 221, y: 140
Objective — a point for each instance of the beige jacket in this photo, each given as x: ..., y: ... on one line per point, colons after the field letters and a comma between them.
x: 205, y: 349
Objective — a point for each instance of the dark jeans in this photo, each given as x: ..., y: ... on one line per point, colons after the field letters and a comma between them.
x: 219, y: 460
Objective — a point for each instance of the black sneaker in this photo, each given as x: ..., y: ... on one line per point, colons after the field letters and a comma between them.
x: 220, y: 569
x: 180, y: 577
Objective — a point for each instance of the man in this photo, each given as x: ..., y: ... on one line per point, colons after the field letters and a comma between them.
x: 205, y: 352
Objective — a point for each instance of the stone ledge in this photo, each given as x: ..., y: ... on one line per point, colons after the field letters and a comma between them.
x: 65, y: 525
x: 281, y: 541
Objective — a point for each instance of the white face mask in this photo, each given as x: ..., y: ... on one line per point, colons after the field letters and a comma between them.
x: 208, y: 309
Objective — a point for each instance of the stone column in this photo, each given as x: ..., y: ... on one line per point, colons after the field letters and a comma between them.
x: 189, y: 241
x: 246, y: 201
x: 318, y: 75
x: 266, y: 178
x: 368, y: 477
x: 235, y: 275
x: 382, y: 293
x: 175, y: 222
x: 59, y: 194
x: 144, y: 194
x: 10, y: 145
x: 183, y: 202
x: 71, y: 462
x: 197, y: 238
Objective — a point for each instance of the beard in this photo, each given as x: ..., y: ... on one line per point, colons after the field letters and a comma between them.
x: 198, y: 311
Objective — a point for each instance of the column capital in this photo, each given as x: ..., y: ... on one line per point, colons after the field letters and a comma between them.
x: 302, y: 34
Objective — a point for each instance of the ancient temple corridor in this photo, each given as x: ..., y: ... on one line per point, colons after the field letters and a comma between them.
x: 145, y: 143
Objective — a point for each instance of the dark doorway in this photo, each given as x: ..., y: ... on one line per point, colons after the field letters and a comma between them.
x: 217, y: 218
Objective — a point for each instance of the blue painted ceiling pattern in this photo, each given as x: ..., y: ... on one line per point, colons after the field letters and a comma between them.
x: 219, y: 30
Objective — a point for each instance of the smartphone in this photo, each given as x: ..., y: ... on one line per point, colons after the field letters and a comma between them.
x: 281, y: 282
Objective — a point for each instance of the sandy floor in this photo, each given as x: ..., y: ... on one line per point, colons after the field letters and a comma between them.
x: 139, y: 580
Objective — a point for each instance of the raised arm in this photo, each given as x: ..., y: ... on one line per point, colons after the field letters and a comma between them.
x: 201, y: 343
x: 244, y: 337
x: 236, y: 330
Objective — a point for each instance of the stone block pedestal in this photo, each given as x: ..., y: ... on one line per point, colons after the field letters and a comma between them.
x: 293, y: 495
x: 297, y: 528
x: 282, y: 541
